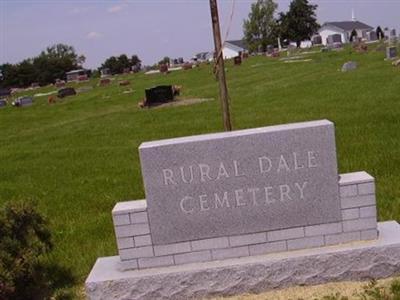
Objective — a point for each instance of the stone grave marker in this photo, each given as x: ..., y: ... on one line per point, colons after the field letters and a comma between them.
x: 349, y: 66
x: 371, y: 36
x: 159, y: 94
x: 270, y: 49
x: 237, y: 60
x: 23, y: 101
x: 391, y: 52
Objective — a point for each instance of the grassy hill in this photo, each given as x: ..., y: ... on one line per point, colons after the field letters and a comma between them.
x: 78, y: 157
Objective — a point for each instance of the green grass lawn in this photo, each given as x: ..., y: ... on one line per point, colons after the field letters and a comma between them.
x: 79, y: 157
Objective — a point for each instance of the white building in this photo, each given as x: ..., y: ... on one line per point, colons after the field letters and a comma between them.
x: 344, y: 29
x: 203, y: 56
x: 233, y: 48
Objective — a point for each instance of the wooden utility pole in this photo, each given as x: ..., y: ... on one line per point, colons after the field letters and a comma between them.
x: 223, y: 89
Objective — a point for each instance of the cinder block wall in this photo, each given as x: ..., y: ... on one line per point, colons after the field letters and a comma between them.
x: 136, y: 250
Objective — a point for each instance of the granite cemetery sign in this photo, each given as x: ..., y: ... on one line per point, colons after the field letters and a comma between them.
x: 219, y: 206
x: 249, y: 181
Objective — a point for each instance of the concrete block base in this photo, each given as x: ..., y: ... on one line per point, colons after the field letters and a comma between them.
x: 254, y: 274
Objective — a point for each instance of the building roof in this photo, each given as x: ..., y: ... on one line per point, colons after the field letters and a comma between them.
x: 203, y: 55
x: 348, y: 25
x: 75, y: 71
x: 238, y: 43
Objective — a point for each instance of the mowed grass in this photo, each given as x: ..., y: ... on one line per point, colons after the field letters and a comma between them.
x: 79, y: 157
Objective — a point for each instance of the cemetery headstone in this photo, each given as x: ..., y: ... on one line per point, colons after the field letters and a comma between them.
x: 23, y: 101
x: 159, y: 94
x: 124, y: 82
x: 275, y: 54
x: 83, y: 77
x: 392, y: 37
x: 391, y: 52
x: 84, y: 89
x: 104, y: 81
x: 65, y: 92
x: 237, y: 60
x: 349, y: 66
x: 291, y: 49
x: 371, y: 36
x: 3, y: 103
x: 5, y: 92
x: 270, y: 49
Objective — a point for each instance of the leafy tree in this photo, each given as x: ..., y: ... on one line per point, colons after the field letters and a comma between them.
x: 379, y: 33
x: 10, y: 75
x: 135, y: 60
x: 116, y: 65
x: 165, y: 60
x: 25, y: 273
x: 45, y: 68
x: 259, y: 28
x: 300, y: 22
x: 353, y: 35
x: 123, y: 62
x: 111, y: 63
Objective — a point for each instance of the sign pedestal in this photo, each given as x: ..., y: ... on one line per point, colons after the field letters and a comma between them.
x: 354, y: 261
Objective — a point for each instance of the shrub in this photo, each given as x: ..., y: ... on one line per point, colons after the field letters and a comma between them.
x: 25, y: 270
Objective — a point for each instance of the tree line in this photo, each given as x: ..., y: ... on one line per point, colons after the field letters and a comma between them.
x: 264, y: 26
x: 49, y: 65
x: 117, y: 64
x: 53, y: 63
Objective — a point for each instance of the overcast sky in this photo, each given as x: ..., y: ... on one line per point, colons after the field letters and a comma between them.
x: 151, y: 29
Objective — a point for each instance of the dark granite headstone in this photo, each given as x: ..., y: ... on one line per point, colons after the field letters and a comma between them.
x: 104, y: 81
x: 5, y: 92
x: 159, y: 94
x: 3, y: 103
x: 237, y: 60
x: 66, y: 92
